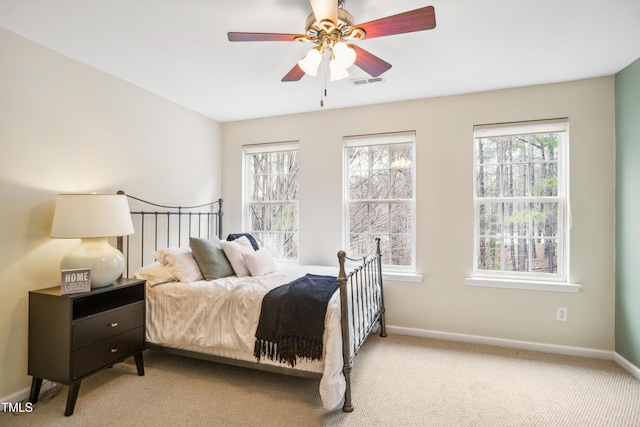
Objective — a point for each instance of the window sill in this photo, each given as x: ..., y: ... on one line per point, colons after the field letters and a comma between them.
x: 531, y: 285
x: 402, y: 277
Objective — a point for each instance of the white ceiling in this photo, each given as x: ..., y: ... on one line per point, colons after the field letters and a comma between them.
x: 178, y: 49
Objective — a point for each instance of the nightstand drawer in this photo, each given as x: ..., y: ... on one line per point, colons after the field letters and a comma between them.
x: 94, y: 329
x: 101, y: 354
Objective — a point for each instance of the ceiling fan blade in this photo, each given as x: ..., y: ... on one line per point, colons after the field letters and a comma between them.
x: 370, y: 63
x: 263, y: 37
x: 325, y: 9
x: 294, y: 75
x: 407, y: 22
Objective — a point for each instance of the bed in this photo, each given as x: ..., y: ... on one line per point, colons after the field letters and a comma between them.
x: 192, y: 313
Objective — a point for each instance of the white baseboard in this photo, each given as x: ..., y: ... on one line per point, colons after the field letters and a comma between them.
x: 524, y: 345
x: 22, y: 395
x: 628, y: 366
x: 501, y: 342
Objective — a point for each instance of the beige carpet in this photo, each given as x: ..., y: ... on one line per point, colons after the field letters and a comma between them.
x: 398, y: 380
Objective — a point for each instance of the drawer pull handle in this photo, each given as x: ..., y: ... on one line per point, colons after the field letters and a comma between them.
x: 114, y: 350
x: 114, y: 324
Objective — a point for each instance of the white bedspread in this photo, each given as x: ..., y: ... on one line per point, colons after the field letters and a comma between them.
x: 220, y: 317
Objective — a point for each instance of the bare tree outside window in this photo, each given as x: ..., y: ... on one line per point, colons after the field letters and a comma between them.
x: 272, y: 199
x: 519, y: 201
x: 380, y: 197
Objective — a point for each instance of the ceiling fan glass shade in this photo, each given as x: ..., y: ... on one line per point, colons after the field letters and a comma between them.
x: 344, y: 55
x: 338, y: 72
x: 309, y: 64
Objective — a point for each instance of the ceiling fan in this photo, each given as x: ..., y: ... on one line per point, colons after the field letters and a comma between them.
x: 330, y: 29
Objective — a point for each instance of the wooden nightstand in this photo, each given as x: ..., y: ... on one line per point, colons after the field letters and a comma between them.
x: 73, y: 336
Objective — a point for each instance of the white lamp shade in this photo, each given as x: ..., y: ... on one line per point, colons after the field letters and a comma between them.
x: 309, y: 64
x: 91, y: 215
x: 93, y: 218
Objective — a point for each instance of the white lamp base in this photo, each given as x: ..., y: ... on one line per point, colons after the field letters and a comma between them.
x: 105, y: 261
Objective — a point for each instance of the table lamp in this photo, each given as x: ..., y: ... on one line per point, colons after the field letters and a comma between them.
x: 93, y: 218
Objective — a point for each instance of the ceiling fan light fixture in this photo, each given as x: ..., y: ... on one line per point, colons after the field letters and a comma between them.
x: 338, y: 72
x: 344, y: 55
x: 309, y: 64
x: 330, y: 26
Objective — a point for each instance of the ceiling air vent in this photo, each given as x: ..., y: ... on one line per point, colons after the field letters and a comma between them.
x: 367, y: 80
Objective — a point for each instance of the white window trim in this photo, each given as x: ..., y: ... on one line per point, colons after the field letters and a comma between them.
x: 531, y: 285
x: 396, y: 273
x: 247, y: 150
x: 528, y: 281
x: 402, y: 277
x: 270, y: 147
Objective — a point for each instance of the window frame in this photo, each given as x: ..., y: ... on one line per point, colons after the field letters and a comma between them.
x: 403, y: 137
x: 527, y: 280
x: 247, y: 154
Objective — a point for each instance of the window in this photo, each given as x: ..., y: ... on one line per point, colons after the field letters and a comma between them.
x: 380, y: 197
x: 520, y: 200
x: 271, y: 197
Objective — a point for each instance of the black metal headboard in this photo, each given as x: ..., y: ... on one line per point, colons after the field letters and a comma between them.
x: 162, y: 226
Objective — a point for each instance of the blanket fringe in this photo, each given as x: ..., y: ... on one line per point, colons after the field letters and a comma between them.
x: 288, y: 349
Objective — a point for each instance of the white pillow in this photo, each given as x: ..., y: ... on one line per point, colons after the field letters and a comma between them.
x: 154, y: 273
x: 235, y: 250
x: 180, y: 263
x: 259, y: 262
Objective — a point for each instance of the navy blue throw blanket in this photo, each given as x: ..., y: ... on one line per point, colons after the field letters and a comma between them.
x: 291, y: 321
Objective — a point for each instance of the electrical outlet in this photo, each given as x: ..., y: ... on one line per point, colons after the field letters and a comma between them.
x: 562, y: 314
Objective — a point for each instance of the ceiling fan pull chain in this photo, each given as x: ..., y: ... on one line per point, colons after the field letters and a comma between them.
x: 324, y: 92
x: 325, y: 65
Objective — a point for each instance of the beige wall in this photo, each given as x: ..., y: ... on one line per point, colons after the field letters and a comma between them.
x: 65, y: 127
x: 444, y: 129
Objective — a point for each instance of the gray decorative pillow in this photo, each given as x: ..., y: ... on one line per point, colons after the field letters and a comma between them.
x: 210, y: 258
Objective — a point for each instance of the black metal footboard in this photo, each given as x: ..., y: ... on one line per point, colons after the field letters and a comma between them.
x: 362, y: 308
